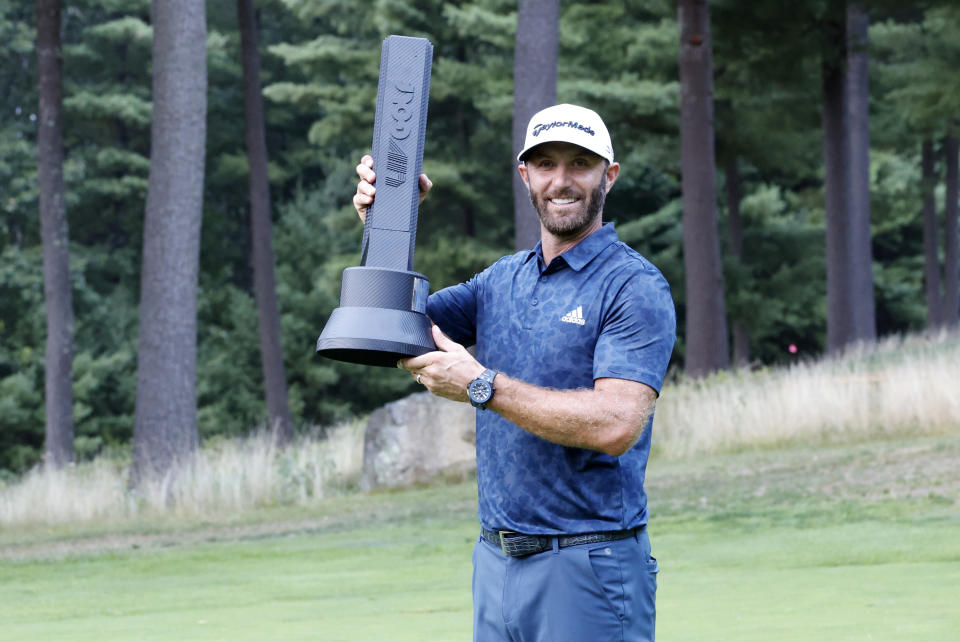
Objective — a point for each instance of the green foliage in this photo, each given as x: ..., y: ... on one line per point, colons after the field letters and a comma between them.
x: 229, y: 383
x: 319, y: 73
x: 104, y: 358
x: 334, y: 75
x: 21, y: 358
x: 778, y: 292
x: 126, y: 109
x: 104, y: 370
x: 917, y: 66
x: 18, y: 106
x: 897, y: 231
x: 107, y: 112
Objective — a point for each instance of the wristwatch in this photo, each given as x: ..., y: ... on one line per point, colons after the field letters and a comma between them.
x: 481, y: 389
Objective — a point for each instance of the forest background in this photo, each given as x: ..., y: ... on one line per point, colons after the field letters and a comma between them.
x: 319, y: 65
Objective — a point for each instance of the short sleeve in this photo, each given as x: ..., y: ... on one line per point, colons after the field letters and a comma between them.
x: 454, y: 309
x: 638, y: 332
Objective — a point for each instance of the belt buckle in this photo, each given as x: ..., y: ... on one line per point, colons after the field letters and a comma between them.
x: 503, y: 547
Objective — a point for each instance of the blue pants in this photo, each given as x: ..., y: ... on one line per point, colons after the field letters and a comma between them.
x: 589, y: 593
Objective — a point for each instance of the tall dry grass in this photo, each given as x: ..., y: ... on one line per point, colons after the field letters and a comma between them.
x: 223, y: 477
x: 900, y: 386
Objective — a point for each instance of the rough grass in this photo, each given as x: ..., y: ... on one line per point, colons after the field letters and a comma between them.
x: 843, y: 542
x: 902, y: 387
x: 225, y: 476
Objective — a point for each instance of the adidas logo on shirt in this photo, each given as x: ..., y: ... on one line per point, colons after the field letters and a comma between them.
x: 574, y: 316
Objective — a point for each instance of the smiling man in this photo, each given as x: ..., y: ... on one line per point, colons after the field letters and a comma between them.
x: 573, y: 339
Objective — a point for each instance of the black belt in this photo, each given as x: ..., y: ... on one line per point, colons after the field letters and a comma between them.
x: 520, y: 545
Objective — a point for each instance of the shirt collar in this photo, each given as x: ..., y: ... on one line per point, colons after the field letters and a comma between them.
x: 578, y: 256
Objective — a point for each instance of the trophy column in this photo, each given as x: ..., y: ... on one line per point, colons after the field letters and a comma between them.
x: 383, y: 303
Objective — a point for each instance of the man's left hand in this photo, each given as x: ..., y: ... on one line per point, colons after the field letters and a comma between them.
x: 445, y: 372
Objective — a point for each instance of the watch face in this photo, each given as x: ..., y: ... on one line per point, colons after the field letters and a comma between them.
x: 480, y: 391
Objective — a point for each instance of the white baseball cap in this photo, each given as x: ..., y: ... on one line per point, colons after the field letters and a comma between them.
x: 568, y: 124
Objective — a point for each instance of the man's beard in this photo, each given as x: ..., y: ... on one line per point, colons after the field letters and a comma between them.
x: 571, y: 226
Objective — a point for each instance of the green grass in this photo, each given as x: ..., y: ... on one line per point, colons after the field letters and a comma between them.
x: 392, y: 584
x: 854, y: 542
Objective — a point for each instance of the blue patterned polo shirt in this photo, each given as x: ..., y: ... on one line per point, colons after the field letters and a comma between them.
x: 598, y: 310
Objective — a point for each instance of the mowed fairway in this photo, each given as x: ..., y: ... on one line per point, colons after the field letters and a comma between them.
x: 856, y: 542
x: 391, y: 585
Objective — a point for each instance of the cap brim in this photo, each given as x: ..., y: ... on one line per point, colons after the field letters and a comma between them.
x: 521, y: 156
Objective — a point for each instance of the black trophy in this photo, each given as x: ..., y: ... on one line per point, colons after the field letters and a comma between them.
x: 383, y: 303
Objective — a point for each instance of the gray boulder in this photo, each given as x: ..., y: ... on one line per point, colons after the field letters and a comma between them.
x: 417, y: 439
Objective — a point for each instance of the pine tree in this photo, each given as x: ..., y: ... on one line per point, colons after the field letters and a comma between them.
x: 107, y: 112
x: 951, y: 236
x: 918, y: 65
x: 765, y: 124
x: 165, y: 428
x: 931, y: 258
x: 464, y: 224
x: 741, y: 335
x: 857, y: 100
x: 534, y: 88
x: 271, y: 351
x: 19, y: 223
x: 850, y: 307
x: 56, y: 260
x: 707, y: 342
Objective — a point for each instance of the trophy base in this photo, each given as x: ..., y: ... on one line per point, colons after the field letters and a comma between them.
x: 381, y: 319
x: 375, y: 336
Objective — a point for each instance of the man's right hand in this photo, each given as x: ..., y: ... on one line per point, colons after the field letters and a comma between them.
x: 366, y: 191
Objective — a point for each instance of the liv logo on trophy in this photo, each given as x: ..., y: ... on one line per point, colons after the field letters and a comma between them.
x: 383, y: 302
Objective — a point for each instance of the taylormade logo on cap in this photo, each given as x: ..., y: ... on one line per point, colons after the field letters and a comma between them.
x: 540, y: 127
x: 568, y: 124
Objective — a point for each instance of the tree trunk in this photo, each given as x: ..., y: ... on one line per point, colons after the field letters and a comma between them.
x: 58, y: 298
x: 858, y: 123
x: 534, y: 88
x: 839, y: 316
x: 931, y: 258
x: 268, y: 314
x: 951, y: 273
x: 707, y: 343
x: 165, y: 422
x: 741, y: 336
x: 851, y: 314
